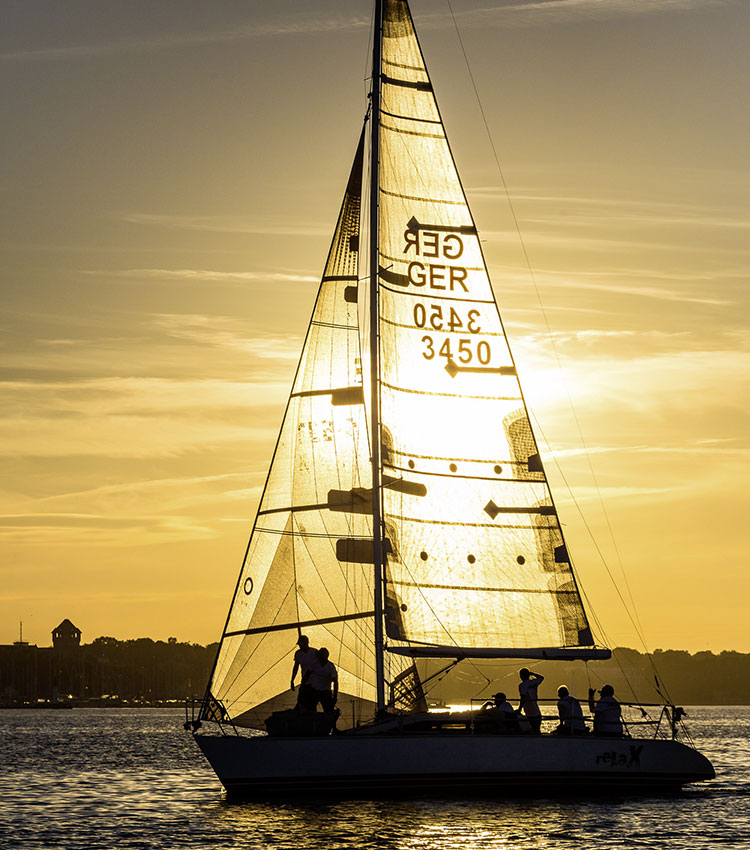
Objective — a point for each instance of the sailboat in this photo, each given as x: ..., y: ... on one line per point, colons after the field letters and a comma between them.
x: 406, y: 514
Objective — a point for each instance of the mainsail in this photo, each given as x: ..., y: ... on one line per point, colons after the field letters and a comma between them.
x: 477, y: 558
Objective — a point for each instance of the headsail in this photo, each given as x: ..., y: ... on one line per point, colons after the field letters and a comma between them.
x: 301, y: 572
x: 477, y: 556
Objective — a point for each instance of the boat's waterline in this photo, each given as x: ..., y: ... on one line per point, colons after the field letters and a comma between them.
x: 446, y: 762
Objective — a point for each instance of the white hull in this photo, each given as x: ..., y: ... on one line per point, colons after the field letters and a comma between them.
x: 445, y: 763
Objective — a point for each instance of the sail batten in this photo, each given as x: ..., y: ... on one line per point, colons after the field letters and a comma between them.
x: 300, y: 624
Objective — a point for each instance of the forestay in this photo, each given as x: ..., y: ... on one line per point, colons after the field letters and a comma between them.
x: 477, y: 558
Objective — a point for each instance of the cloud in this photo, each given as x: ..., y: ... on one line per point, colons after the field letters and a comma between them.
x: 301, y: 25
x: 135, y: 417
x: 699, y: 447
x: 578, y: 280
x: 92, y: 529
x: 218, y: 332
x: 544, y: 11
x: 133, y: 512
x: 226, y: 224
x: 685, y: 387
x: 204, y: 275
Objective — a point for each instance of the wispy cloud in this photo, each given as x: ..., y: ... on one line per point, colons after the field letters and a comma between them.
x: 300, y: 25
x: 226, y: 224
x: 221, y: 332
x: 684, y: 386
x: 603, y: 282
x: 135, y: 417
x: 717, y: 447
x: 134, y: 512
x: 658, y: 293
x: 203, y: 274
x: 544, y: 11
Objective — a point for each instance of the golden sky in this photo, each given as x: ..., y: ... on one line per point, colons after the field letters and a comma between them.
x: 171, y: 175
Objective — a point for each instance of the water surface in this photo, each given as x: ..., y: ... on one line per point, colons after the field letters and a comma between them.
x: 132, y: 778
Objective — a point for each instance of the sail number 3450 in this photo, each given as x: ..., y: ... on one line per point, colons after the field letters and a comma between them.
x: 464, y: 353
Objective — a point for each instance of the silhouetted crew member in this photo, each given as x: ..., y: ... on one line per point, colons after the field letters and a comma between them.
x: 497, y: 715
x: 527, y: 691
x: 607, y: 712
x: 305, y: 659
x: 571, y: 716
x: 322, y: 676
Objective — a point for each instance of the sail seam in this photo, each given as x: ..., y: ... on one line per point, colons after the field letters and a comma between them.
x: 412, y: 132
x: 407, y: 84
x: 463, y: 477
x: 402, y: 260
x: 299, y: 624
x: 410, y: 118
x: 462, y: 459
x: 450, y: 395
x: 385, y: 191
x: 334, y: 325
x: 318, y: 534
x: 294, y: 509
x: 475, y: 524
x: 393, y: 64
x: 331, y: 391
x: 405, y: 291
x: 482, y: 589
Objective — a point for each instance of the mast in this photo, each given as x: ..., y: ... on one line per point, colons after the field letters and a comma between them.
x: 377, y: 521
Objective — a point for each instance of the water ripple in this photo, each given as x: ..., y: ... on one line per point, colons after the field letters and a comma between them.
x: 133, y: 779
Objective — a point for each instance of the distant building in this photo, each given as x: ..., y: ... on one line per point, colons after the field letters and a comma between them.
x: 66, y: 636
x: 29, y: 673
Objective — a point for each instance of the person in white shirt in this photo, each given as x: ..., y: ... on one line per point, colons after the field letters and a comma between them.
x: 322, y: 676
x: 305, y: 659
x: 527, y: 692
x: 607, y: 712
x: 497, y: 715
x: 571, y: 716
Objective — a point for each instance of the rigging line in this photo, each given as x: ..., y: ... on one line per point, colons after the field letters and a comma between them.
x: 554, y: 347
x: 328, y: 592
x: 348, y: 262
x: 606, y: 567
x: 349, y: 522
x: 268, y: 669
x: 367, y: 73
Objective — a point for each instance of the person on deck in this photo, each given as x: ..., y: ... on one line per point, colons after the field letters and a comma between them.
x: 607, y: 712
x: 497, y: 715
x: 322, y: 676
x: 571, y: 716
x: 528, y: 693
x: 305, y: 658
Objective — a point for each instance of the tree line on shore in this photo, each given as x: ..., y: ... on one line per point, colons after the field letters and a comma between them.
x: 145, y: 670
x: 676, y: 676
